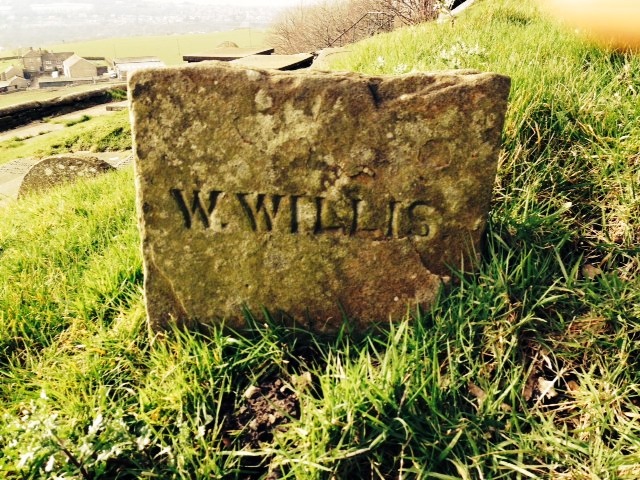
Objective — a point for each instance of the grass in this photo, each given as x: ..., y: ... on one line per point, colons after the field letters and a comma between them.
x: 82, y: 119
x: 528, y: 368
x: 169, y: 48
x: 71, y: 122
x: 97, y: 134
x: 4, y: 64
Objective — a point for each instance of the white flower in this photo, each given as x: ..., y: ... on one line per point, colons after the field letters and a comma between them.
x: 93, y: 429
x: 104, y: 455
x: 85, y: 449
x: 456, y: 53
x: 400, y: 68
x: 32, y: 425
x: 49, y: 466
x: 142, y: 442
x: 43, y: 395
x: 475, y: 50
x: 165, y: 451
x: 380, y: 62
x: 50, y: 422
x: 24, y: 458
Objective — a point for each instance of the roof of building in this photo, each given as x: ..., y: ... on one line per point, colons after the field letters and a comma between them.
x: 73, y: 59
x: 33, y: 54
x: 11, y: 68
x: 99, y: 63
x: 226, y: 54
x: 8, y: 83
x: 137, y: 60
x: 60, y: 79
x: 57, y: 55
x: 132, y: 67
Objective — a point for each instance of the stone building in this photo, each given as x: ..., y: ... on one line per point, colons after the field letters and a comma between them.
x: 10, y: 72
x: 14, y: 84
x: 32, y: 62
x: 76, y: 66
x: 52, y: 61
x: 125, y: 66
x: 37, y: 62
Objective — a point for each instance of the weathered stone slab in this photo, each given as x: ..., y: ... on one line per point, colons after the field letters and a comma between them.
x: 57, y: 170
x: 311, y: 194
x: 226, y: 53
x: 276, y: 62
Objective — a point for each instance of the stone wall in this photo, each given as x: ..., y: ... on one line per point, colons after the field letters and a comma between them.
x: 18, y: 115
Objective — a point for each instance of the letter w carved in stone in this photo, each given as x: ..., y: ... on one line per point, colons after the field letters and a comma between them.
x: 258, y: 210
x: 196, y: 209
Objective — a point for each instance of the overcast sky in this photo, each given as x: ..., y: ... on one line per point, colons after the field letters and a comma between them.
x: 252, y: 3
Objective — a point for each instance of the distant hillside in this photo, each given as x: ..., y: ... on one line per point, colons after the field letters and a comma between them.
x: 169, y: 48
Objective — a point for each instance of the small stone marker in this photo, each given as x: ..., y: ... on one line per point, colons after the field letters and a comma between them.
x: 57, y: 170
x: 315, y: 195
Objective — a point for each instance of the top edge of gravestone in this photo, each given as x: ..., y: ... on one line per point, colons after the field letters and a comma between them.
x: 255, y: 73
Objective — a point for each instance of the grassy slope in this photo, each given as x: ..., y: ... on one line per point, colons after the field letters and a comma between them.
x: 169, y: 48
x: 526, y: 369
x: 100, y: 134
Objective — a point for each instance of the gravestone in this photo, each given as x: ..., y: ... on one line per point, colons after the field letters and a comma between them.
x: 57, y: 170
x: 315, y: 195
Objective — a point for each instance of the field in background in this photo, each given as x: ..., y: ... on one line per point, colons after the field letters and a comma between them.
x: 169, y: 48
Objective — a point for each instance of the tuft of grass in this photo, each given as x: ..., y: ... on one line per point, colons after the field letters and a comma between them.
x: 118, y: 95
x: 14, y: 142
x: 83, y: 118
x: 526, y: 368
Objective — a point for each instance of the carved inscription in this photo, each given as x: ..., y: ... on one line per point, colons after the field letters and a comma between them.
x: 297, y: 214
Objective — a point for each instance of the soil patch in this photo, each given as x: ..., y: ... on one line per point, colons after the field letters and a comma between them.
x: 262, y: 411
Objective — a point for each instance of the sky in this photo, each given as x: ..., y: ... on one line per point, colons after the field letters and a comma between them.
x: 15, y: 33
x: 253, y: 3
